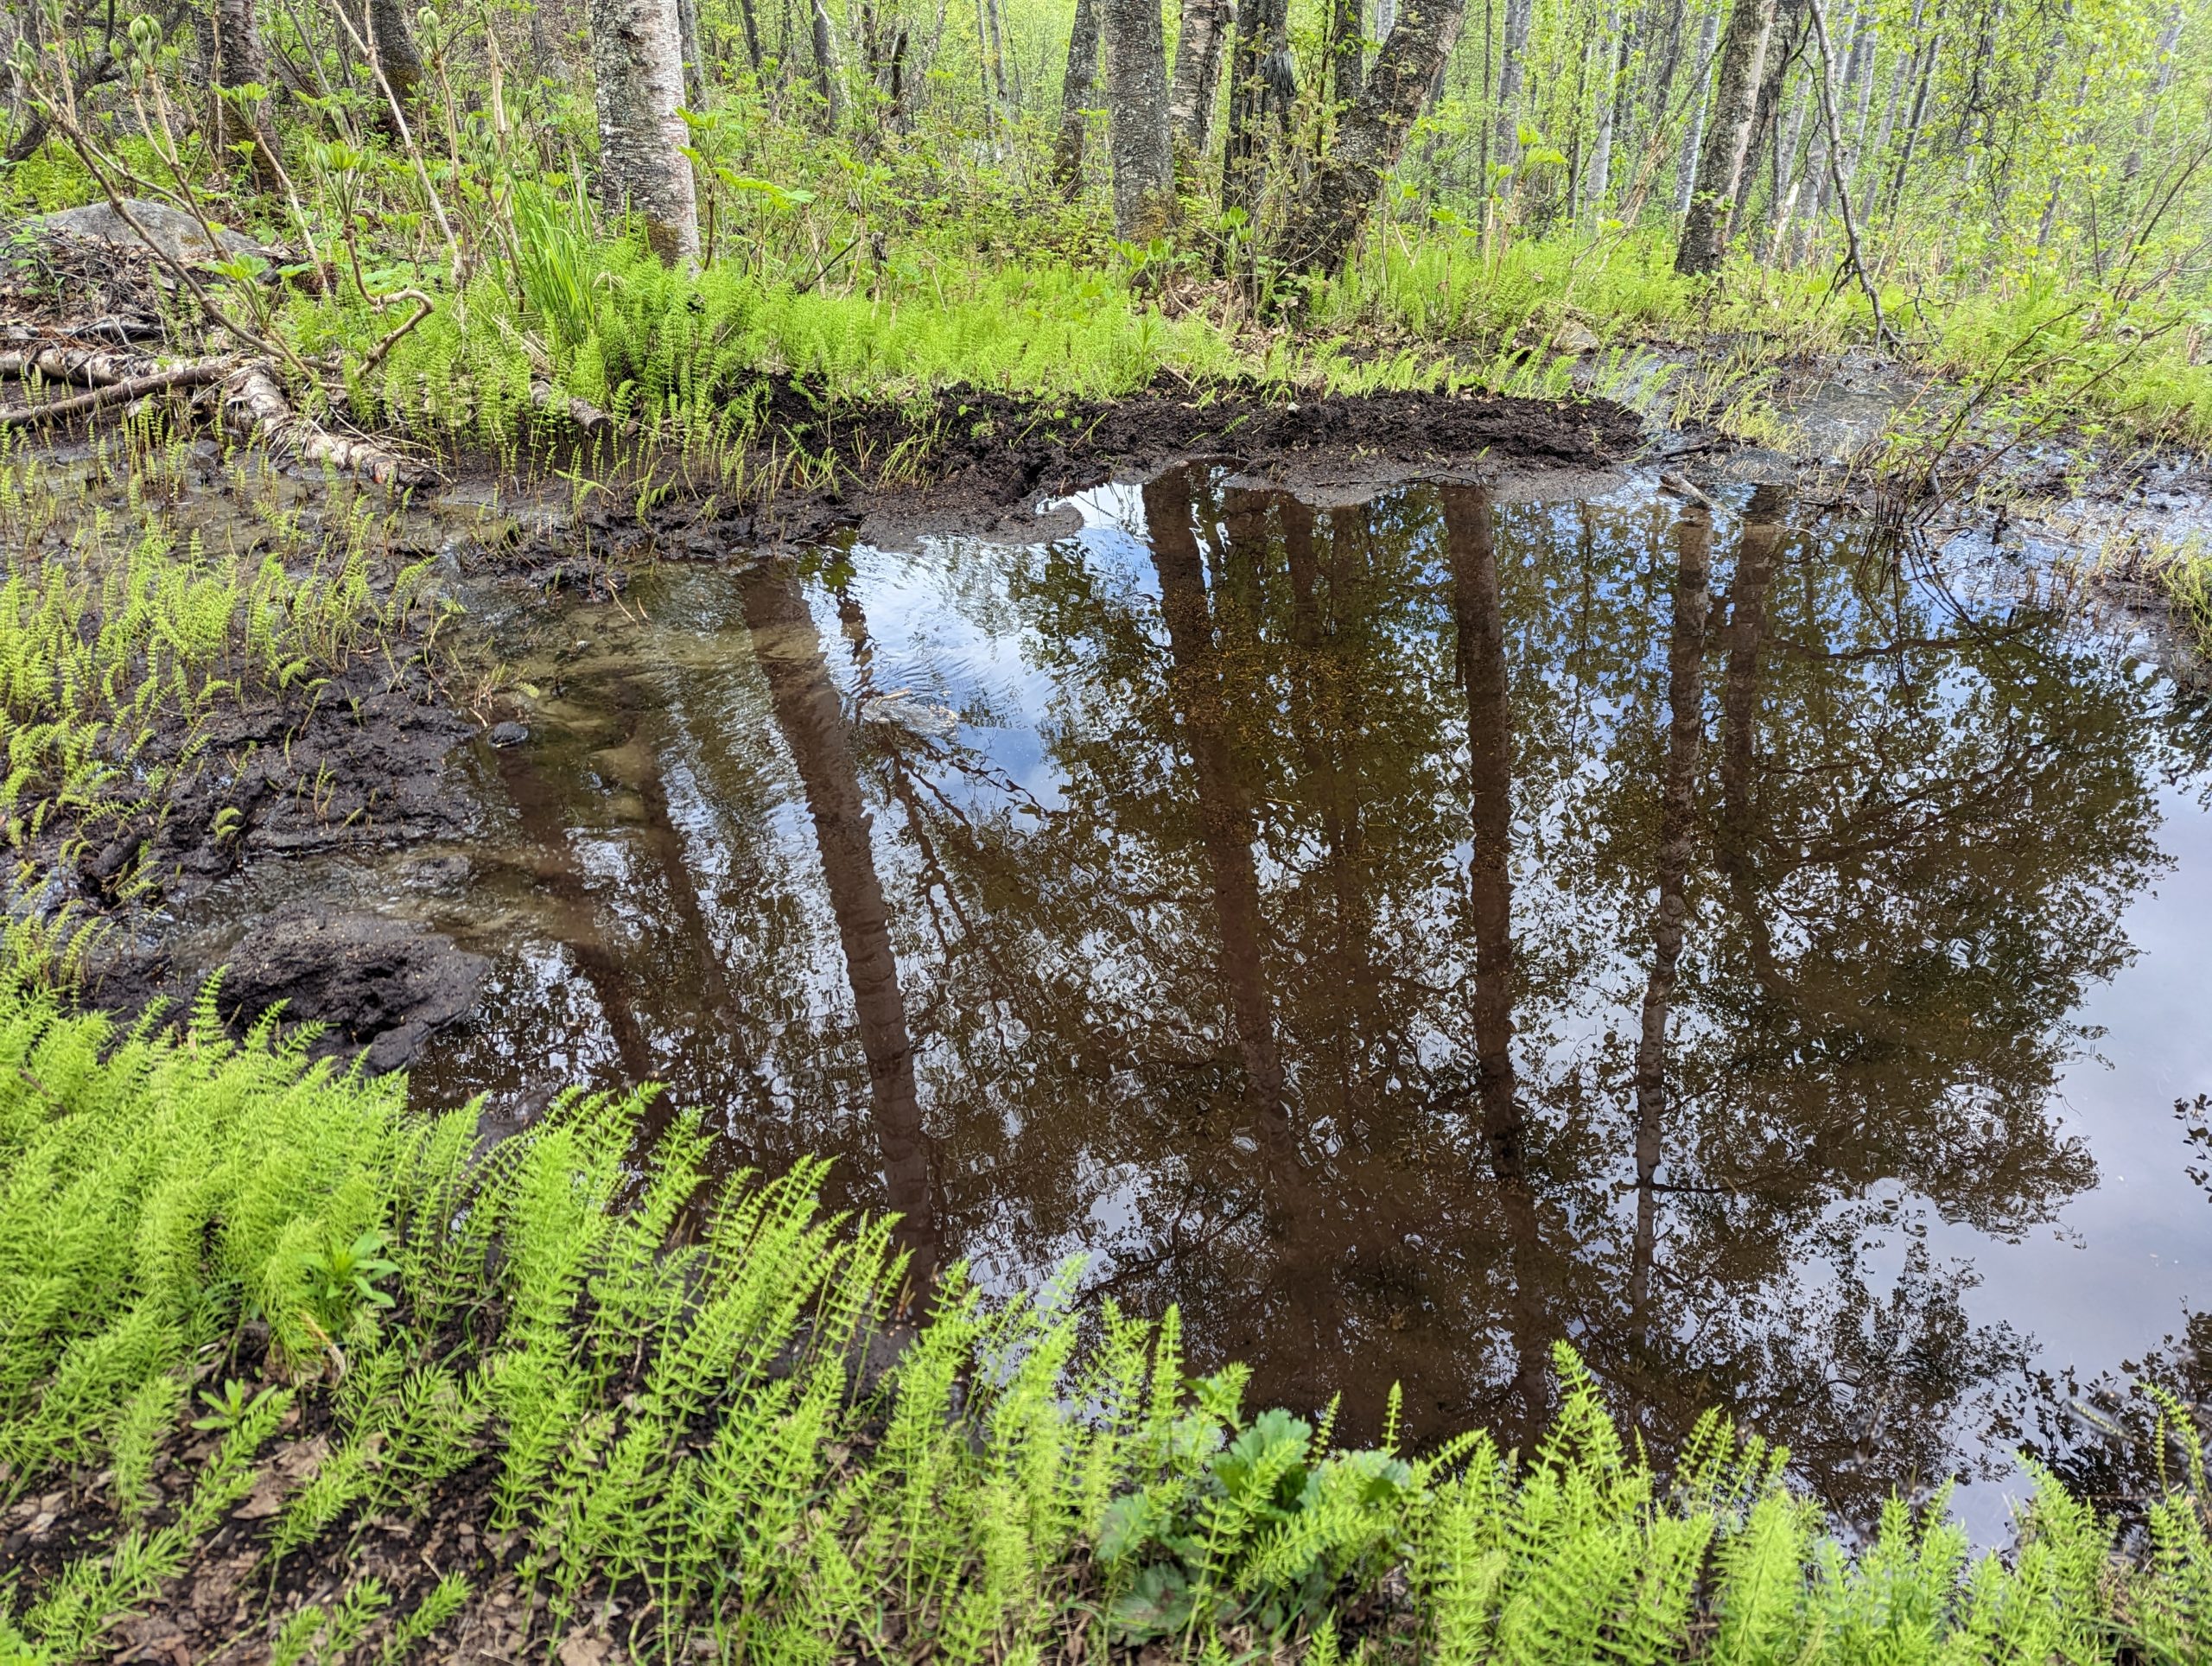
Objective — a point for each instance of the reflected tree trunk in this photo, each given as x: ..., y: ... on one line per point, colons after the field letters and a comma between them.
x: 1225, y: 819
x: 544, y: 821
x: 1757, y: 544
x: 663, y: 844
x: 1677, y: 831
x: 812, y: 720
x: 1481, y: 650
x: 1324, y: 719
x: 1479, y: 620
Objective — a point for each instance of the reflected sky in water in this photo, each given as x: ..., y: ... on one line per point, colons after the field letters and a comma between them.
x: 1407, y: 936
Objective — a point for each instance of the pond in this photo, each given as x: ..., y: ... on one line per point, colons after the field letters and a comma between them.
x: 1407, y: 935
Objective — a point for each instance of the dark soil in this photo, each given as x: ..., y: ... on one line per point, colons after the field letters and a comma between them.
x: 357, y: 762
x: 971, y: 459
x: 381, y: 986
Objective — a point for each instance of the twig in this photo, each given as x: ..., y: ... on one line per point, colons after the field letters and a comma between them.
x: 1884, y: 336
x: 422, y: 308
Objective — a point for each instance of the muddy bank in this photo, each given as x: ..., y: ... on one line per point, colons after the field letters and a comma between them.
x: 969, y: 459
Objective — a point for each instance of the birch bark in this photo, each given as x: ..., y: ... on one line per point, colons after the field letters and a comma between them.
x: 1136, y: 110
x: 1197, y: 73
x: 1727, y: 139
x: 638, y: 77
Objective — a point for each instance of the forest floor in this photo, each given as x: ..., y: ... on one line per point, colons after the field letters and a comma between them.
x: 356, y: 755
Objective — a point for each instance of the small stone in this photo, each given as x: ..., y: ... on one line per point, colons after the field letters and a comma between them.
x: 1574, y: 336
x: 509, y: 735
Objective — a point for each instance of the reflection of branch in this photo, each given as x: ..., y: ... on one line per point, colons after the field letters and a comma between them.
x: 1980, y: 638
x: 1177, y: 1248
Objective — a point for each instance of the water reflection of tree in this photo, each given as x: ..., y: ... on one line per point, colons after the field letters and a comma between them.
x: 1426, y: 934
x: 1855, y: 782
x: 811, y: 718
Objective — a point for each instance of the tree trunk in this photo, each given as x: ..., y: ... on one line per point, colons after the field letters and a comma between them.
x: 1198, y: 70
x: 1076, y: 91
x: 1136, y: 110
x: 1348, y: 53
x: 1859, y: 86
x: 1600, y: 177
x: 1901, y: 75
x: 1259, y: 24
x: 998, y: 60
x: 1766, y: 115
x: 234, y: 60
x: 828, y: 70
x: 1912, y: 125
x: 1693, y: 137
x: 638, y: 70
x: 1789, y: 177
x: 751, y: 33
x: 1511, y: 71
x: 1727, y: 139
x: 2160, y: 83
x: 1327, y: 218
x: 390, y: 32
x: 694, y: 77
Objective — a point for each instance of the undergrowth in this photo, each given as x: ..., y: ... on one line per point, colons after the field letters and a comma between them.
x: 119, y: 629
x: 684, y: 1417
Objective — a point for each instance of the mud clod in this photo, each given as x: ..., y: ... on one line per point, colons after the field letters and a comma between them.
x: 381, y: 986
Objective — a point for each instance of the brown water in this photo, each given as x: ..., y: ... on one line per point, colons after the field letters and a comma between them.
x: 1405, y: 937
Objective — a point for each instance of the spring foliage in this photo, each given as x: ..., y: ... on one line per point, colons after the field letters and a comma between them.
x: 693, y: 1394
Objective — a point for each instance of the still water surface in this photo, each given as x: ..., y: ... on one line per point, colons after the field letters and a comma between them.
x: 1409, y: 935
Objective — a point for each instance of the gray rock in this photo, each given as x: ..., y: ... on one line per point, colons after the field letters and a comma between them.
x: 170, y: 230
x: 380, y: 985
x: 508, y: 735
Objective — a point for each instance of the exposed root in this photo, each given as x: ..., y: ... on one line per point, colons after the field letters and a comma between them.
x: 254, y: 407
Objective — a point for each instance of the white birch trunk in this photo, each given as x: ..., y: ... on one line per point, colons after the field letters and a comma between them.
x: 1693, y: 137
x: 1598, y: 179
x: 638, y: 75
x: 1136, y: 109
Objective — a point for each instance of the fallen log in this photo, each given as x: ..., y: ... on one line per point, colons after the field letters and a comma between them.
x: 192, y: 374
x: 91, y: 367
x: 254, y: 407
x: 589, y: 419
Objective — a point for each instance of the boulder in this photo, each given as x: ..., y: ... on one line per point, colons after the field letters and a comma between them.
x: 170, y: 230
